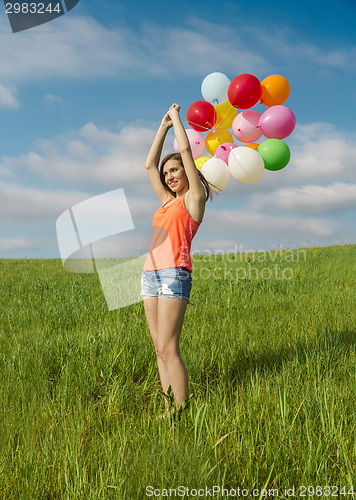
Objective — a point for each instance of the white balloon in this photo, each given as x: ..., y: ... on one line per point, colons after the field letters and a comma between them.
x: 246, y: 165
x: 216, y: 172
x: 214, y: 88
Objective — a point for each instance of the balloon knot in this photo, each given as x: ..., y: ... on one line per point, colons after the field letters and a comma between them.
x: 216, y: 101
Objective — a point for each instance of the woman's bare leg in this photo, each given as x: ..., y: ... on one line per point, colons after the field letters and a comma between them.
x: 165, y: 320
x: 151, y: 311
x: 170, y: 321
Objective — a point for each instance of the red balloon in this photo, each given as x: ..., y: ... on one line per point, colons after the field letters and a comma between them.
x: 244, y: 91
x: 201, y: 116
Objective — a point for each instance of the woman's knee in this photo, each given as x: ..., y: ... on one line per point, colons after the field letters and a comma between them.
x: 167, y: 351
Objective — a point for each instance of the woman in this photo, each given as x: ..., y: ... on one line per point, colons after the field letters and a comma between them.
x: 166, y: 278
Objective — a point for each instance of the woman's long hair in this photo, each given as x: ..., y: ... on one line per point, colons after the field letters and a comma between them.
x: 206, y: 184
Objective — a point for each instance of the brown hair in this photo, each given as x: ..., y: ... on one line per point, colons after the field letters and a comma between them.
x: 178, y: 157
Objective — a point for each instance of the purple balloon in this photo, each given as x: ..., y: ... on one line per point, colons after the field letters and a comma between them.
x: 224, y: 150
x: 277, y: 122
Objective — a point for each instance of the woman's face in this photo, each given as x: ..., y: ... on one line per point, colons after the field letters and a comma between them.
x: 175, y: 176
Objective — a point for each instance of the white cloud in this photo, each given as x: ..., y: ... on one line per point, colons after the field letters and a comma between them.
x: 91, y: 156
x: 52, y: 99
x: 191, y: 50
x: 80, y: 47
x: 320, y: 156
x: 235, y: 221
x: 321, y: 153
x: 101, y: 160
x: 8, y: 98
x: 93, y: 160
x: 21, y: 204
x: 286, y: 44
x: 15, y: 244
x: 334, y: 199
x: 94, y: 155
x: 83, y: 47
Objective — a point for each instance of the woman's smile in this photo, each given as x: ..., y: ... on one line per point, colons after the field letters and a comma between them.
x: 174, y: 175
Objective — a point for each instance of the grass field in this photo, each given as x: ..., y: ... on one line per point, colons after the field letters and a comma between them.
x: 271, y: 360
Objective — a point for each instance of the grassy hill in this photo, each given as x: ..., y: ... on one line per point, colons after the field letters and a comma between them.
x: 269, y: 344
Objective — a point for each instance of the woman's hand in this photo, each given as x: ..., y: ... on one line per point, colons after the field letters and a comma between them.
x: 173, y: 110
x: 166, y: 121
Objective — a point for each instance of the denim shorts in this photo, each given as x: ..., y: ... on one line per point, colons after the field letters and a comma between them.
x: 175, y: 282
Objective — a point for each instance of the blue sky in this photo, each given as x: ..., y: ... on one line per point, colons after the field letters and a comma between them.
x: 81, y: 98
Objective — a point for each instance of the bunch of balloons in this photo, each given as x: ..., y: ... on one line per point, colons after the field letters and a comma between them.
x: 218, y: 112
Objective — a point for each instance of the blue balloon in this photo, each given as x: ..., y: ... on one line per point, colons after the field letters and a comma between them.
x: 214, y: 88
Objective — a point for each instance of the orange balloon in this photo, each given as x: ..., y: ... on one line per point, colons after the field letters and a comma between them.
x: 252, y: 145
x: 225, y: 115
x: 215, y: 138
x: 275, y: 90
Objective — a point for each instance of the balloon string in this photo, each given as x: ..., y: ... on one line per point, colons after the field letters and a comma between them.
x: 197, y: 124
x: 228, y: 115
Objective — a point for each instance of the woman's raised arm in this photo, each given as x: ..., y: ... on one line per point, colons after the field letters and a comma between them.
x: 195, y: 185
x: 155, y: 152
x: 153, y: 159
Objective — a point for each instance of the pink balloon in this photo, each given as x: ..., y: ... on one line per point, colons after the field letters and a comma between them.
x: 245, y: 126
x: 224, y: 150
x: 277, y: 122
x: 196, y: 141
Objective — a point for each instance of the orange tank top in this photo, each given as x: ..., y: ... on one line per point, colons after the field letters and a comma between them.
x: 173, y: 231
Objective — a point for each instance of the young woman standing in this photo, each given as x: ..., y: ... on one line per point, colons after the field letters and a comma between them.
x: 166, y: 278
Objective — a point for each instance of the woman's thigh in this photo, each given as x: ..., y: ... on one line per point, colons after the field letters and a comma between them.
x: 150, y: 305
x: 171, y: 313
x: 166, y: 295
x: 165, y: 317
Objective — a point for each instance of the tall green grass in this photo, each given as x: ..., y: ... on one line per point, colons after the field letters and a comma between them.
x: 271, y: 363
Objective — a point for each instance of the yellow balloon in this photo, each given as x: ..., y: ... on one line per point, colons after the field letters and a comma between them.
x: 199, y: 162
x: 225, y: 115
x: 215, y: 138
x: 275, y: 90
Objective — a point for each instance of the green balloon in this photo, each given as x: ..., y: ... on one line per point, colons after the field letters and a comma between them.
x: 275, y: 154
